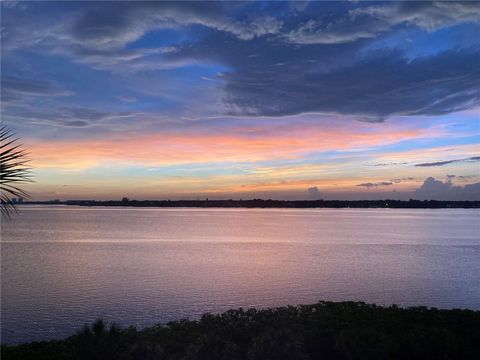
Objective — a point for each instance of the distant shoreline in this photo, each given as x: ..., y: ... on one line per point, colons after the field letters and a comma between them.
x: 270, y: 204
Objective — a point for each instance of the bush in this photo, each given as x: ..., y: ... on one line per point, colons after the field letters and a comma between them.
x: 326, y: 330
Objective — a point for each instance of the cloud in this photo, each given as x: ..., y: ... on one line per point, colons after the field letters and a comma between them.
x: 18, y: 88
x: 373, y: 88
x: 68, y: 116
x: 427, y: 15
x: 464, y: 178
x: 365, y: 22
x: 316, y: 32
x: 10, y: 4
x: 399, y: 180
x: 437, y: 190
x: 390, y: 164
x: 242, y: 141
x: 99, y: 34
x: 99, y: 27
x: 446, y: 162
x: 371, y: 185
x: 127, y: 99
x: 275, y: 61
x: 314, y: 193
x: 299, y: 5
x: 107, y: 27
x: 74, y: 123
x: 472, y: 191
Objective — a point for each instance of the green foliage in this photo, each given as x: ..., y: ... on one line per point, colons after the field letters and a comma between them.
x: 326, y: 330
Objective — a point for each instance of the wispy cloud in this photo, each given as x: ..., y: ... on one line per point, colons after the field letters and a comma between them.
x: 390, y: 164
x: 399, y: 180
x: 372, y: 20
x: 242, y: 143
x: 446, y: 162
x: 18, y: 88
x: 370, y: 185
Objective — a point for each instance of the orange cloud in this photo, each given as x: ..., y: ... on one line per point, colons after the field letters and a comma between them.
x: 169, y: 148
x: 248, y: 152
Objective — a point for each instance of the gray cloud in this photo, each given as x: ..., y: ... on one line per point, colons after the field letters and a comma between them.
x: 437, y: 190
x: 399, y: 87
x: 68, y: 112
x: 314, y: 193
x: 67, y: 116
x: 75, y: 123
x: 446, y: 162
x: 129, y: 21
x: 17, y: 88
x: 98, y: 33
x: 316, y: 32
x: 390, y: 164
x: 305, y: 61
x: 472, y: 191
x: 426, y: 15
x: 371, y: 185
x: 369, y: 21
x: 399, y: 180
x: 269, y: 78
x: 464, y: 178
x: 106, y: 27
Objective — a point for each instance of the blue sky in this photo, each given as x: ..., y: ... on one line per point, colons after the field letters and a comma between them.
x: 244, y: 99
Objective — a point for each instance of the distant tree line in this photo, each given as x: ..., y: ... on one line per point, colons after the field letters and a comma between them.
x: 260, y: 203
x: 326, y: 330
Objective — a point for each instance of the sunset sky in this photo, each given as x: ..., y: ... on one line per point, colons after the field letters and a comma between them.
x: 334, y: 100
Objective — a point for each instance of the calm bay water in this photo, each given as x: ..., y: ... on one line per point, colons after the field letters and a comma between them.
x: 62, y: 267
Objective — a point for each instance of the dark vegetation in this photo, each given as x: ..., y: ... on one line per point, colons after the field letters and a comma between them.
x: 14, y: 171
x: 260, y: 203
x: 326, y: 330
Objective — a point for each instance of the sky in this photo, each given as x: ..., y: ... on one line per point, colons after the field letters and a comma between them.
x: 281, y: 100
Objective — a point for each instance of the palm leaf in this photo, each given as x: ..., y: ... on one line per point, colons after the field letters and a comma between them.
x: 14, y: 171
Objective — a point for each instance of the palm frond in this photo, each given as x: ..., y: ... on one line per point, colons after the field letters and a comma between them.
x: 14, y: 171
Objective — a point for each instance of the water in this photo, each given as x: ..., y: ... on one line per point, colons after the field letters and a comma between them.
x: 63, y: 267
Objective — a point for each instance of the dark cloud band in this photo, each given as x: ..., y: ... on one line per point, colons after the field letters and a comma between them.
x: 446, y: 162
